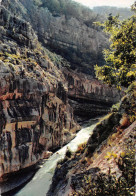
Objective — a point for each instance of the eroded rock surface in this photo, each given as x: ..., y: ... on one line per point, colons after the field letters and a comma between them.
x: 77, y: 39
x: 104, y: 157
x: 34, y: 113
x: 88, y: 97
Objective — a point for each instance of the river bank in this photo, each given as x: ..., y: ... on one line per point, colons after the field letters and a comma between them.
x: 38, y: 183
x: 109, y: 156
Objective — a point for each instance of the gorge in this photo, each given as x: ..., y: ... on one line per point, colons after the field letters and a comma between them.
x: 47, y: 83
x: 41, y: 181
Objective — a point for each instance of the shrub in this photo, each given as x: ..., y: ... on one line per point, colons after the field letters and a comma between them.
x: 110, y: 185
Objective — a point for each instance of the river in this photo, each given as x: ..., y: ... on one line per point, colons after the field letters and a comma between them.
x: 40, y: 183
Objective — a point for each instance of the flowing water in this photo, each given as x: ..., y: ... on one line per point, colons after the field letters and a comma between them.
x: 40, y: 183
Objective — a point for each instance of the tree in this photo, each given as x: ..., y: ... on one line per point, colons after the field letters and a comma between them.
x: 133, y: 7
x: 120, y: 68
x: 38, y: 2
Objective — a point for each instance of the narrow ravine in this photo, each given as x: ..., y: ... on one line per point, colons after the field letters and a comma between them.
x: 40, y: 183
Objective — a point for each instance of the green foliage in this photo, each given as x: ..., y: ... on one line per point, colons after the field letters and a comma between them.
x: 115, y: 107
x: 129, y: 102
x: 58, y: 60
x: 53, y: 5
x: 132, y: 88
x: 69, y: 8
x: 110, y: 185
x: 120, y: 68
x: 133, y: 7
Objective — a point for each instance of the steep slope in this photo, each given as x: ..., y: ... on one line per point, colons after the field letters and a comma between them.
x: 35, y: 85
x: 106, y: 165
x: 88, y: 97
x: 34, y: 114
x: 69, y: 32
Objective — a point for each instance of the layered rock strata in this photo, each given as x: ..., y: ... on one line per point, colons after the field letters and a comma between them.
x: 34, y: 114
x: 89, y: 97
x: 76, y: 39
x: 104, y: 157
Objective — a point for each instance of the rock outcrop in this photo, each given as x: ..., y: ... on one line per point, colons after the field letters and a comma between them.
x: 76, y: 39
x: 35, y: 115
x: 92, y: 177
x: 17, y: 29
x: 109, y: 156
x: 34, y: 112
x: 82, y: 48
x: 88, y: 97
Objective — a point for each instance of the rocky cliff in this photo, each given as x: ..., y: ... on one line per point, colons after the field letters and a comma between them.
x: 88, y: 97
x: 106, y: 164
x: 36, y: 87
x: 75, y: 38
x: 72, y: 34
x: 34, y: 114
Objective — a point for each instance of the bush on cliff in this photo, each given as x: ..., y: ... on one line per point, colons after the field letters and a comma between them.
x: 120, y: 70
x: 110, y: 185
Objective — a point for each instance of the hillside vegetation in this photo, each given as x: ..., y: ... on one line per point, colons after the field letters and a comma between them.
x: 120, y: 68
x: 105, y: 166
x: 67, y: 7
x: 53, y: 23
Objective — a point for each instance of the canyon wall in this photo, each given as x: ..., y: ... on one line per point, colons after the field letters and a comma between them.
x: 36, y: 91
x: 89, y: 97
x: 104, y: 157
x: 34, y: 113
x: 80, y: 42
x: 76, y: 39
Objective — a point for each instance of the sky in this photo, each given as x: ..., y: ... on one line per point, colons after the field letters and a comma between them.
x: 117, y: 3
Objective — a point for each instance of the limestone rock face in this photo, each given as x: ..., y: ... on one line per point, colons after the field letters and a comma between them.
x: 34, y: 113
x: 88, y: 97
x: 17, y: 29
x: 79, y: 43
x: 112, y: 140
